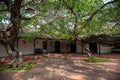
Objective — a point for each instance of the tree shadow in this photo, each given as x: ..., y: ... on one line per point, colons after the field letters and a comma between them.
x: 90, y: 71
x: 5, y: 75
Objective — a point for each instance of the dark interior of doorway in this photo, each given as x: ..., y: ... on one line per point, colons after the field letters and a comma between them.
x: 73, y: 48
x: 93, y: 47
x: 57, y: 46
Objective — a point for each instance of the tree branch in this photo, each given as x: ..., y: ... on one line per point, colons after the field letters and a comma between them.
x: 115, y: 25
x: 2, y: 10
x: 28, y: 18
x: 23, y: 5
x: 98, y: 10
x: 69, y: 7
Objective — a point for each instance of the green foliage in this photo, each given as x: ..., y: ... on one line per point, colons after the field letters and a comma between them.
x: 116, y: 30
x: 29, y: 36
x: 2, y: 13
x: 57, y: 18
x: 2, y: 7
x: 94, y: 59
x: 26, y: 66
x: 59, y: 21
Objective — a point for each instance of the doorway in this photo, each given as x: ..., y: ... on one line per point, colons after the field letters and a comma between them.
x: 57, y: 46
x: 93, y: 47
x: 73, y: 48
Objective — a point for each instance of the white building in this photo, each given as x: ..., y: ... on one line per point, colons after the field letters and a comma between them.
x: 52, y: 46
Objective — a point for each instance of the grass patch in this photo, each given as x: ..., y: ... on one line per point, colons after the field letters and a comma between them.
x: 94, y: 59
x: 27, y: 66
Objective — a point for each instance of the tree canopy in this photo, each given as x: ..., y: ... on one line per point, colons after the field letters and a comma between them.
x: 64, y: 17
x: 70, y: 18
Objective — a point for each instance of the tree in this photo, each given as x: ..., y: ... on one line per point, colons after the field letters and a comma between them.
x: 10, y: 34
x: 74, y: 19
x: 69, y: 19
x: 8, y: 40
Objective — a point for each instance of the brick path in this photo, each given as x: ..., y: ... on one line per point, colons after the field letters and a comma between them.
x: 74, y: 68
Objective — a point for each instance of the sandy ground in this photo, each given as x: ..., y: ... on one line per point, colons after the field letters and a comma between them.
x: 54, y: 67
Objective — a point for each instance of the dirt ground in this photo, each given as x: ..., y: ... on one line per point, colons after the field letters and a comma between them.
x: 54, y: 67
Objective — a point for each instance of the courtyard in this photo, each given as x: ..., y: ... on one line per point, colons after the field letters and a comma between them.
x: 38, y: 33
x: 54, y: 67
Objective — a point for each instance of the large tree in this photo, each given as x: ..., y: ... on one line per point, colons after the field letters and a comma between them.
x: 68, y: 19
x: 9, y: 36
x: 15, y: 10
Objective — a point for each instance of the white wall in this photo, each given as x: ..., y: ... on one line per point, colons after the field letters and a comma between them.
x: 39, y: 43
x: 26, y: 47
x: 78, y: 47
x: 51, y: 46
x: 105, y: 49
x: 98, y: 45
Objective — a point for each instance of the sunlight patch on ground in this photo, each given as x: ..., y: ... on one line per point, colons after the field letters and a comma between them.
x: 72, y: 75
x: 66, y: 73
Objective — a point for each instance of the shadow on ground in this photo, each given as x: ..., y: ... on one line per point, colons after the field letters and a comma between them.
x: 74, y: 68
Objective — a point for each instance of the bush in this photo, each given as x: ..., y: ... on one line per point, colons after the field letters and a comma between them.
x: 94, y: 59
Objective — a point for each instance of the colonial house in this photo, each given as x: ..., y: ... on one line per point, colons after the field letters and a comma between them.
x: 39, y: 46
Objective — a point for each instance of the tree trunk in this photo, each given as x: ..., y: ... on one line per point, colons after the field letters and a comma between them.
x: 13, y: 6
x: 88, y: 51
x: 16, y: 20
x: 82, y: 43
x: 11, y: 56
x: 66, y: 53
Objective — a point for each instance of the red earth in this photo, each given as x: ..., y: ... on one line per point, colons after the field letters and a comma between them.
x: 54, y: 67
x: 38, y: 56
